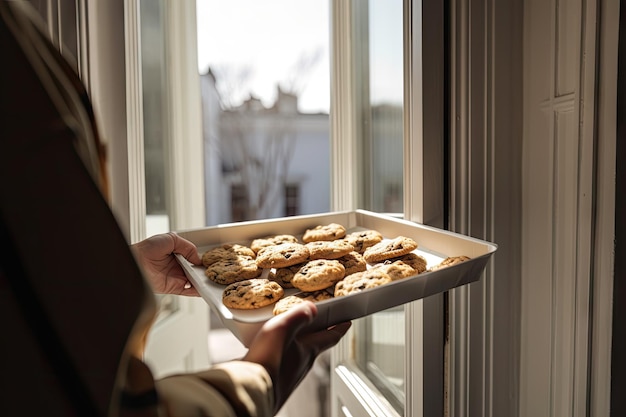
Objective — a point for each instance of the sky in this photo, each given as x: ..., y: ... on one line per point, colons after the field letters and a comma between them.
x: 257, y: 44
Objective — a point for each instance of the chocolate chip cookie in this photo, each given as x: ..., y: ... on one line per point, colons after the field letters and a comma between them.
x: 227, y: 251
x: 381, y: 251
x: 228, y: 271
x: 450, y: 261
x: 328, y: 249
x: 417, y: 262
x: 361, y: 281
x: 280, y: 256
x: 318, y: 275
x: 330, y: 231
x: 260, y: 243
x: 353, y: 262
x: 396, y: 269
x: 289, y: 302
x: 284, y: 275
x: 251, y: 294
x: 364, y: 239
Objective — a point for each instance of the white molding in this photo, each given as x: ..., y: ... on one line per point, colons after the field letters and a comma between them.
x: 134, y: 119
x: 603, y: 273
x: 359, y: 396
x: 345, y: 168
x: 344, y: 110
x: 82, y: 37
x: 107, y: 86
x: 559, y: 172
x: 413, y: 114
x: 424, y: 135
x: 185, y: 188
x: 485, y: 191
x: 423, y: 344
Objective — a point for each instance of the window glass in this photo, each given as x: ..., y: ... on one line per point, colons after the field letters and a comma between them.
x: 266, y: 93
x: 380, y: 338
x: 265, y: 89
x: 155, y: 113
x: 385, y: 105
x: 155, y: 117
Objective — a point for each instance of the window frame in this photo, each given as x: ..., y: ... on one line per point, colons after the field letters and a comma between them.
x: 118, y: 107
x: 121, y: 108
x: 423, y: 189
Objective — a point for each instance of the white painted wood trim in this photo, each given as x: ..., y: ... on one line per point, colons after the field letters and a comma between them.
x: 82, y: 36
x: 134, y: 120
x: 107, y: 85
x: 357, y: 396
x: 485, y: 188
x: 413, y: 183
x: 347, y: 195
x: 587, y: 137
x: 344, y: 111
x: 603, y: 273
x: 414, y: 176
x: 344, y: 165
x: 185, y: 188
x: 558, y: 214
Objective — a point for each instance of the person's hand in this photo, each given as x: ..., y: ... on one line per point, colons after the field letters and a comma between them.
x: 156, y: 256
x: 287, y: 349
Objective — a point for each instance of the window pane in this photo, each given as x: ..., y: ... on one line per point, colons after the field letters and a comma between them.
x: 385, y: 105
x: 155, y: 113
x: 380, y: 338
x: 266, y: 95
x: 155, y: 117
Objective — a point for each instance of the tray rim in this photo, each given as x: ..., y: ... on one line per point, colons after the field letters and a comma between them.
x: 243, y: 329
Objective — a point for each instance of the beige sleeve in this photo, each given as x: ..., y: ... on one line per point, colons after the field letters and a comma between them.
x: 233, y: 388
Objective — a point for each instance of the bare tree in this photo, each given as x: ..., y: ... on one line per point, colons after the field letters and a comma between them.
x: 257, y: 143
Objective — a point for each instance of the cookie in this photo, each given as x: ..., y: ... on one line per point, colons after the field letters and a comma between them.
x: 260, y: 243
x: 328, y: 249
x: 361, y: 281
x: 449, y: 261
x: 228, y: 271
x: 364, y: 239
x: 291, y: 301
x: 396, y: 269
x: 330, y: 231
x: 251, y: 294
x: 353, y: 262
x: 381, y: 251
x: 284, y: 275
x: 417, y: 262
x: 318, y: 275
x: 227, y: 251
x: 280, y: 256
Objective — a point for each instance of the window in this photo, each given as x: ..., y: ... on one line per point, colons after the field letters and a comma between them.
x: 239, y: 202
x: 370, y: 165
x: 155, y: 114
x: 107, y: 55
x: 380, y: 338
x: 292, y: 199
x: 265, y: 100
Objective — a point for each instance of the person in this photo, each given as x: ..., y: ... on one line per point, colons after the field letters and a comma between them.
x: 76, y: 301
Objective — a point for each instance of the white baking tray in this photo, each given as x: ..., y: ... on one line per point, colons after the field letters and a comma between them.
x: 434, y: 244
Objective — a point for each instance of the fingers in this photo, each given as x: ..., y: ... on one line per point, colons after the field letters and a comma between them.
x: 189, y: 290
x: 186, y: 248
x: 294, y: 319
x: 268, y: 345
x: 327, y: 338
